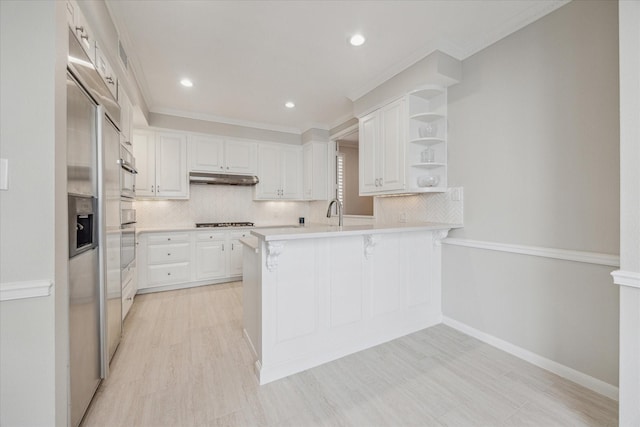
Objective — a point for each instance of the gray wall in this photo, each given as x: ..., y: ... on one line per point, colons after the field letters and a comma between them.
x: 203, y: 126
x: 534, y: 141
x: 33, y: 332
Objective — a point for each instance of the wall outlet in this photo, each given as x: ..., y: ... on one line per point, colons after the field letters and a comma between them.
x: 4, y: 174
x: 402, y: 217
x: 456, y: 194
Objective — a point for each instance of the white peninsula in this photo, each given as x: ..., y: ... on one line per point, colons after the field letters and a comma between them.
x: 316, y: 293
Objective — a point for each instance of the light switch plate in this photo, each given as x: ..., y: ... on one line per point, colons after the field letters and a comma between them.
x: 4, y: 174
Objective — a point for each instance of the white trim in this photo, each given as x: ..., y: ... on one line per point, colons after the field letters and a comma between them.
x: 26, y: 289
x: 571, y: 374
x: 562, y: 254
x: 626, y: 278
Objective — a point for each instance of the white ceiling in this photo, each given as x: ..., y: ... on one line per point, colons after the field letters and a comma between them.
x: 247, y: 58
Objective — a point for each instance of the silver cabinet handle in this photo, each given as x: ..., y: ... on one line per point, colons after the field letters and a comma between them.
x: 169, y: 254
x: 232, y: 246
x: 223, y: 247
x: 168, y: 238
x: 169, y: 274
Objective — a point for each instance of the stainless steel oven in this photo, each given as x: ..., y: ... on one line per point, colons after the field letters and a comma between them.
x: 127, y: 172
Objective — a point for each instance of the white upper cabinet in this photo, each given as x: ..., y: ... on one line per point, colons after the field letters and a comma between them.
x: 216, y: 154
x: 314, y: 170
x: 161, y: 161
x: 106, y: 72
x: 126, y: 116
x: 403, y: 145
x: 206, y: 153
x: 279, y: 171
x: 382, y: 159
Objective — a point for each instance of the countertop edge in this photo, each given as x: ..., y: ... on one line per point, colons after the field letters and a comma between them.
x: 314, y: 232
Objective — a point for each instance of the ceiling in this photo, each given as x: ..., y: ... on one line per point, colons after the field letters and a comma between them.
x: 247, y: 58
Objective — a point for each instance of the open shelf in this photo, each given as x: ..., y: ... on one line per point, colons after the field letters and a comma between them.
x: 427, y: 93
x: 428, y: 165
x: 427, y: 117
x: 428, y: 141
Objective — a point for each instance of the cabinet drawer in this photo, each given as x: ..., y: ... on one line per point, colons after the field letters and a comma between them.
x: 155, y: 239
x: 235, y: 235
x: 128, y: 293
x: 166, y: 254
x: 168, y: 273
x: 211, y: 236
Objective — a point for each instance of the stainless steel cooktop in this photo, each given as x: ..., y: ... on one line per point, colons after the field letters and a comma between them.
x: 224, y: 224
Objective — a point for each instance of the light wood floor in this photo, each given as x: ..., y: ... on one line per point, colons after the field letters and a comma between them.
x: 183, y: 362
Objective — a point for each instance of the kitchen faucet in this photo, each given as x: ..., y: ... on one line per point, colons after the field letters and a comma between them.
x: 338, y: 204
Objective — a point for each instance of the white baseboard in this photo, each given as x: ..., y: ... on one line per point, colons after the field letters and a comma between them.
x: 577, y: 377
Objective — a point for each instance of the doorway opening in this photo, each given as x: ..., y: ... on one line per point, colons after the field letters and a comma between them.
x: 347, y: 176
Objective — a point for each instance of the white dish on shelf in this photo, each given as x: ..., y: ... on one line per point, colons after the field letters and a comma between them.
x: 428, y: 180
x: 428, y: 130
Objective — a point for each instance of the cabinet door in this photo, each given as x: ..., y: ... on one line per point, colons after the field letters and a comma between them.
x: 240, y: 157
x: 307, y: 171
x: 144, y: 151
x: 268, y: 172
x: 392, y: 155
x: 211, y: 260
x: 206, y: 153
x: 368, y: 162
x: 291, y: 173
x: 126, y: 115
x: 314, y: 171
x: 235, y: 258
x: 171, y: 165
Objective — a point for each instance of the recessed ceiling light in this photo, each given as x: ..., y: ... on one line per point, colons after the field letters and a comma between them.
x: 186, y: 83
x: 357, y: 40
x: 289, y: 104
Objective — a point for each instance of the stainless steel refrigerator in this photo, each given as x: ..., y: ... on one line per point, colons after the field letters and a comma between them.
x: 95, y: 303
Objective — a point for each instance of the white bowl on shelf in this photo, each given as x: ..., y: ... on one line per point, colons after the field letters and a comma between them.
x: 428, y: 180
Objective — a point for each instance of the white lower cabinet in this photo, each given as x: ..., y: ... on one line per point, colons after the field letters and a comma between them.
x: 172, y: 260
x: 129, y: 288
x: 211, y: 259
x: 235, y: 253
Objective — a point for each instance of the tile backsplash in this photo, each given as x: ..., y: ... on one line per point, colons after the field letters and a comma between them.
x: 217, y: 203
x: 222, y: 203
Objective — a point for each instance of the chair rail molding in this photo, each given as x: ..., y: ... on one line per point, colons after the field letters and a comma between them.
x: 561, y: 254
x: 626, y: 278
x: 25, y: 289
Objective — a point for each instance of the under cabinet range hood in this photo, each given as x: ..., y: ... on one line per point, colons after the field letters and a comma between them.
x: 222, y: 179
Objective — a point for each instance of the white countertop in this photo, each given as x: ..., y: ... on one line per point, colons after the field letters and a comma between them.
x: 178, y: 228
x: 311, y: 231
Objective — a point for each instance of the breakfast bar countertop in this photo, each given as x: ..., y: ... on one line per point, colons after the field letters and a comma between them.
x: 311, y: 231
